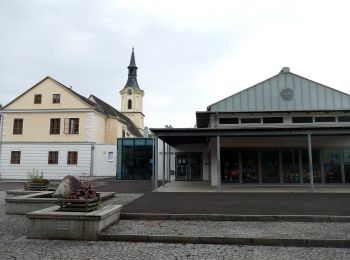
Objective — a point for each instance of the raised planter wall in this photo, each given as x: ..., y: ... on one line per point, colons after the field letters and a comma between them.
x: 27, y: 203
x: 50, y: 223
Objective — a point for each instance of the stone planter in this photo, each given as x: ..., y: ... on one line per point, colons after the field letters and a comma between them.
x: 51, y: 223
x: 78, y: 205
x: 35, y: 186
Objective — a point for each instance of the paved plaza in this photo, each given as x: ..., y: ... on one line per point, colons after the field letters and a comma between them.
x: 15, y: 245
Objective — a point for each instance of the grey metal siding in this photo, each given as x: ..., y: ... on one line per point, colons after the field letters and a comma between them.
x: 265, y: 96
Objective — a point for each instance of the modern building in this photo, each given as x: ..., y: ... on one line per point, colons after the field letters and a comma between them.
x: 280, y: 131
x: 55, y: 130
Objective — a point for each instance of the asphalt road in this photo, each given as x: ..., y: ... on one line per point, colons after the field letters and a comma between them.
x: 242, y: 203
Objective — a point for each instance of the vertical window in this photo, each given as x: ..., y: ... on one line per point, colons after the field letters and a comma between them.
x: 123, y: 132
x: 37, y: 99
x: 71, y: 126
x: 110, y: 156
x: 72, y: 158
x: 53, y: 158
x: 18, y: 126
x: 15, y: 157
x: 56, y: 98
x: 129, y: 104
x: 55, y: 125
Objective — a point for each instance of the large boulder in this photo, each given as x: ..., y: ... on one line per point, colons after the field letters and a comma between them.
x: 67, y: 185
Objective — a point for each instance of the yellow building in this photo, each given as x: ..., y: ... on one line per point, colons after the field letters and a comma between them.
x: 57, y: 131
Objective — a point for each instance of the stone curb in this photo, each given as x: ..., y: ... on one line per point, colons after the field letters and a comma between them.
x: 291, y: 242
x: 219, y: 217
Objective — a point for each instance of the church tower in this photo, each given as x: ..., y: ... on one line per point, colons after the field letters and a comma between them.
x: 132, y: 95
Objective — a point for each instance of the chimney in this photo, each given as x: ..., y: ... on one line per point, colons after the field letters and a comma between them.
x: 285, y: 70
x: 145, y: 132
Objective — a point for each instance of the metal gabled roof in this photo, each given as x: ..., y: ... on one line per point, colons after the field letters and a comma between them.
x: 284, y: 92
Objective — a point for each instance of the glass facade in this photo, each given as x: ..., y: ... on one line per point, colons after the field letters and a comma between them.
x: 188, y: 166
x: 135, y: 158
x: 270, y: 166
x: 250, y: 166
x: 332, y: 166
x: 230, y: 166
x: 316, y: 166
x: 289, y: 166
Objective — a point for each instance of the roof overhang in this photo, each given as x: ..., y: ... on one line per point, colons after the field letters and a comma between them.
x: 178, y: 136
x: 203, y: 117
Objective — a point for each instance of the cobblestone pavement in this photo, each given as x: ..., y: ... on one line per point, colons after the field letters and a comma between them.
x: 302, y: 230
x: 14, y: 245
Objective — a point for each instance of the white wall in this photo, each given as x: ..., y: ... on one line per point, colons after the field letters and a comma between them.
x: 160, y: 161
x: 35, y: 155
x: 102, y: 165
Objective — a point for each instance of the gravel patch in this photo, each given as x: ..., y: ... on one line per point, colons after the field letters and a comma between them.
x: 310, y: 230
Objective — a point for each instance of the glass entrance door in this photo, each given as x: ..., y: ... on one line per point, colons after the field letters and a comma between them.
x: 188, y: 167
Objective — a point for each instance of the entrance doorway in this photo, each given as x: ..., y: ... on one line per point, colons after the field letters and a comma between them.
x: 188, y: 167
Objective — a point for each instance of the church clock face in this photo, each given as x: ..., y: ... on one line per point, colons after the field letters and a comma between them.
x: 129, y: 92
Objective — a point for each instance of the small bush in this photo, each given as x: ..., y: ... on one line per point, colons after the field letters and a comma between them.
x: 35, y: 177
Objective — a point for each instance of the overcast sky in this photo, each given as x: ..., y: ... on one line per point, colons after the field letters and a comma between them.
x: 189, y: 53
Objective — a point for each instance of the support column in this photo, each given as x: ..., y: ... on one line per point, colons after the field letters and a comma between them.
x: 342, y: 168
x: 218, y: 162
x: 280, y: 166
x: 310, y: 163
x: 163, y: 164
x: 322, y: 166
x: 169, y: 160
x: 260, y: 166
x: 300, y: 160
x: 240, y: 166
x: 155, y: 161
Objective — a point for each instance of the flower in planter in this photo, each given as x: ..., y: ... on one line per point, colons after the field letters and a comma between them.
x: 83, y: 193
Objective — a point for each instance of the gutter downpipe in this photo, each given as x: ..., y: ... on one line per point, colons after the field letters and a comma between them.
x: 92, y: 161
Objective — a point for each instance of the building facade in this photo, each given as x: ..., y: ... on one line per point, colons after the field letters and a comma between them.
x: 57, y: 131
x: 284, y: 130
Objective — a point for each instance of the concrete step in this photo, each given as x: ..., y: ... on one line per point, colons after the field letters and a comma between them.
x: 230, y: 217
x: 300, y: 234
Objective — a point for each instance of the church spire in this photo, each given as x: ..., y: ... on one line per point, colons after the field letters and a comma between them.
x: 132, y: 60
x: 132, y: 75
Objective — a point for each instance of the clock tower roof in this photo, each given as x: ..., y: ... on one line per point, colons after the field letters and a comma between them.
x: 132, y: 74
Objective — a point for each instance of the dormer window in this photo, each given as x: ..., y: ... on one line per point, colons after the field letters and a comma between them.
x: 37, y: 99
x: 129, y: 104
x: 56, y: 98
